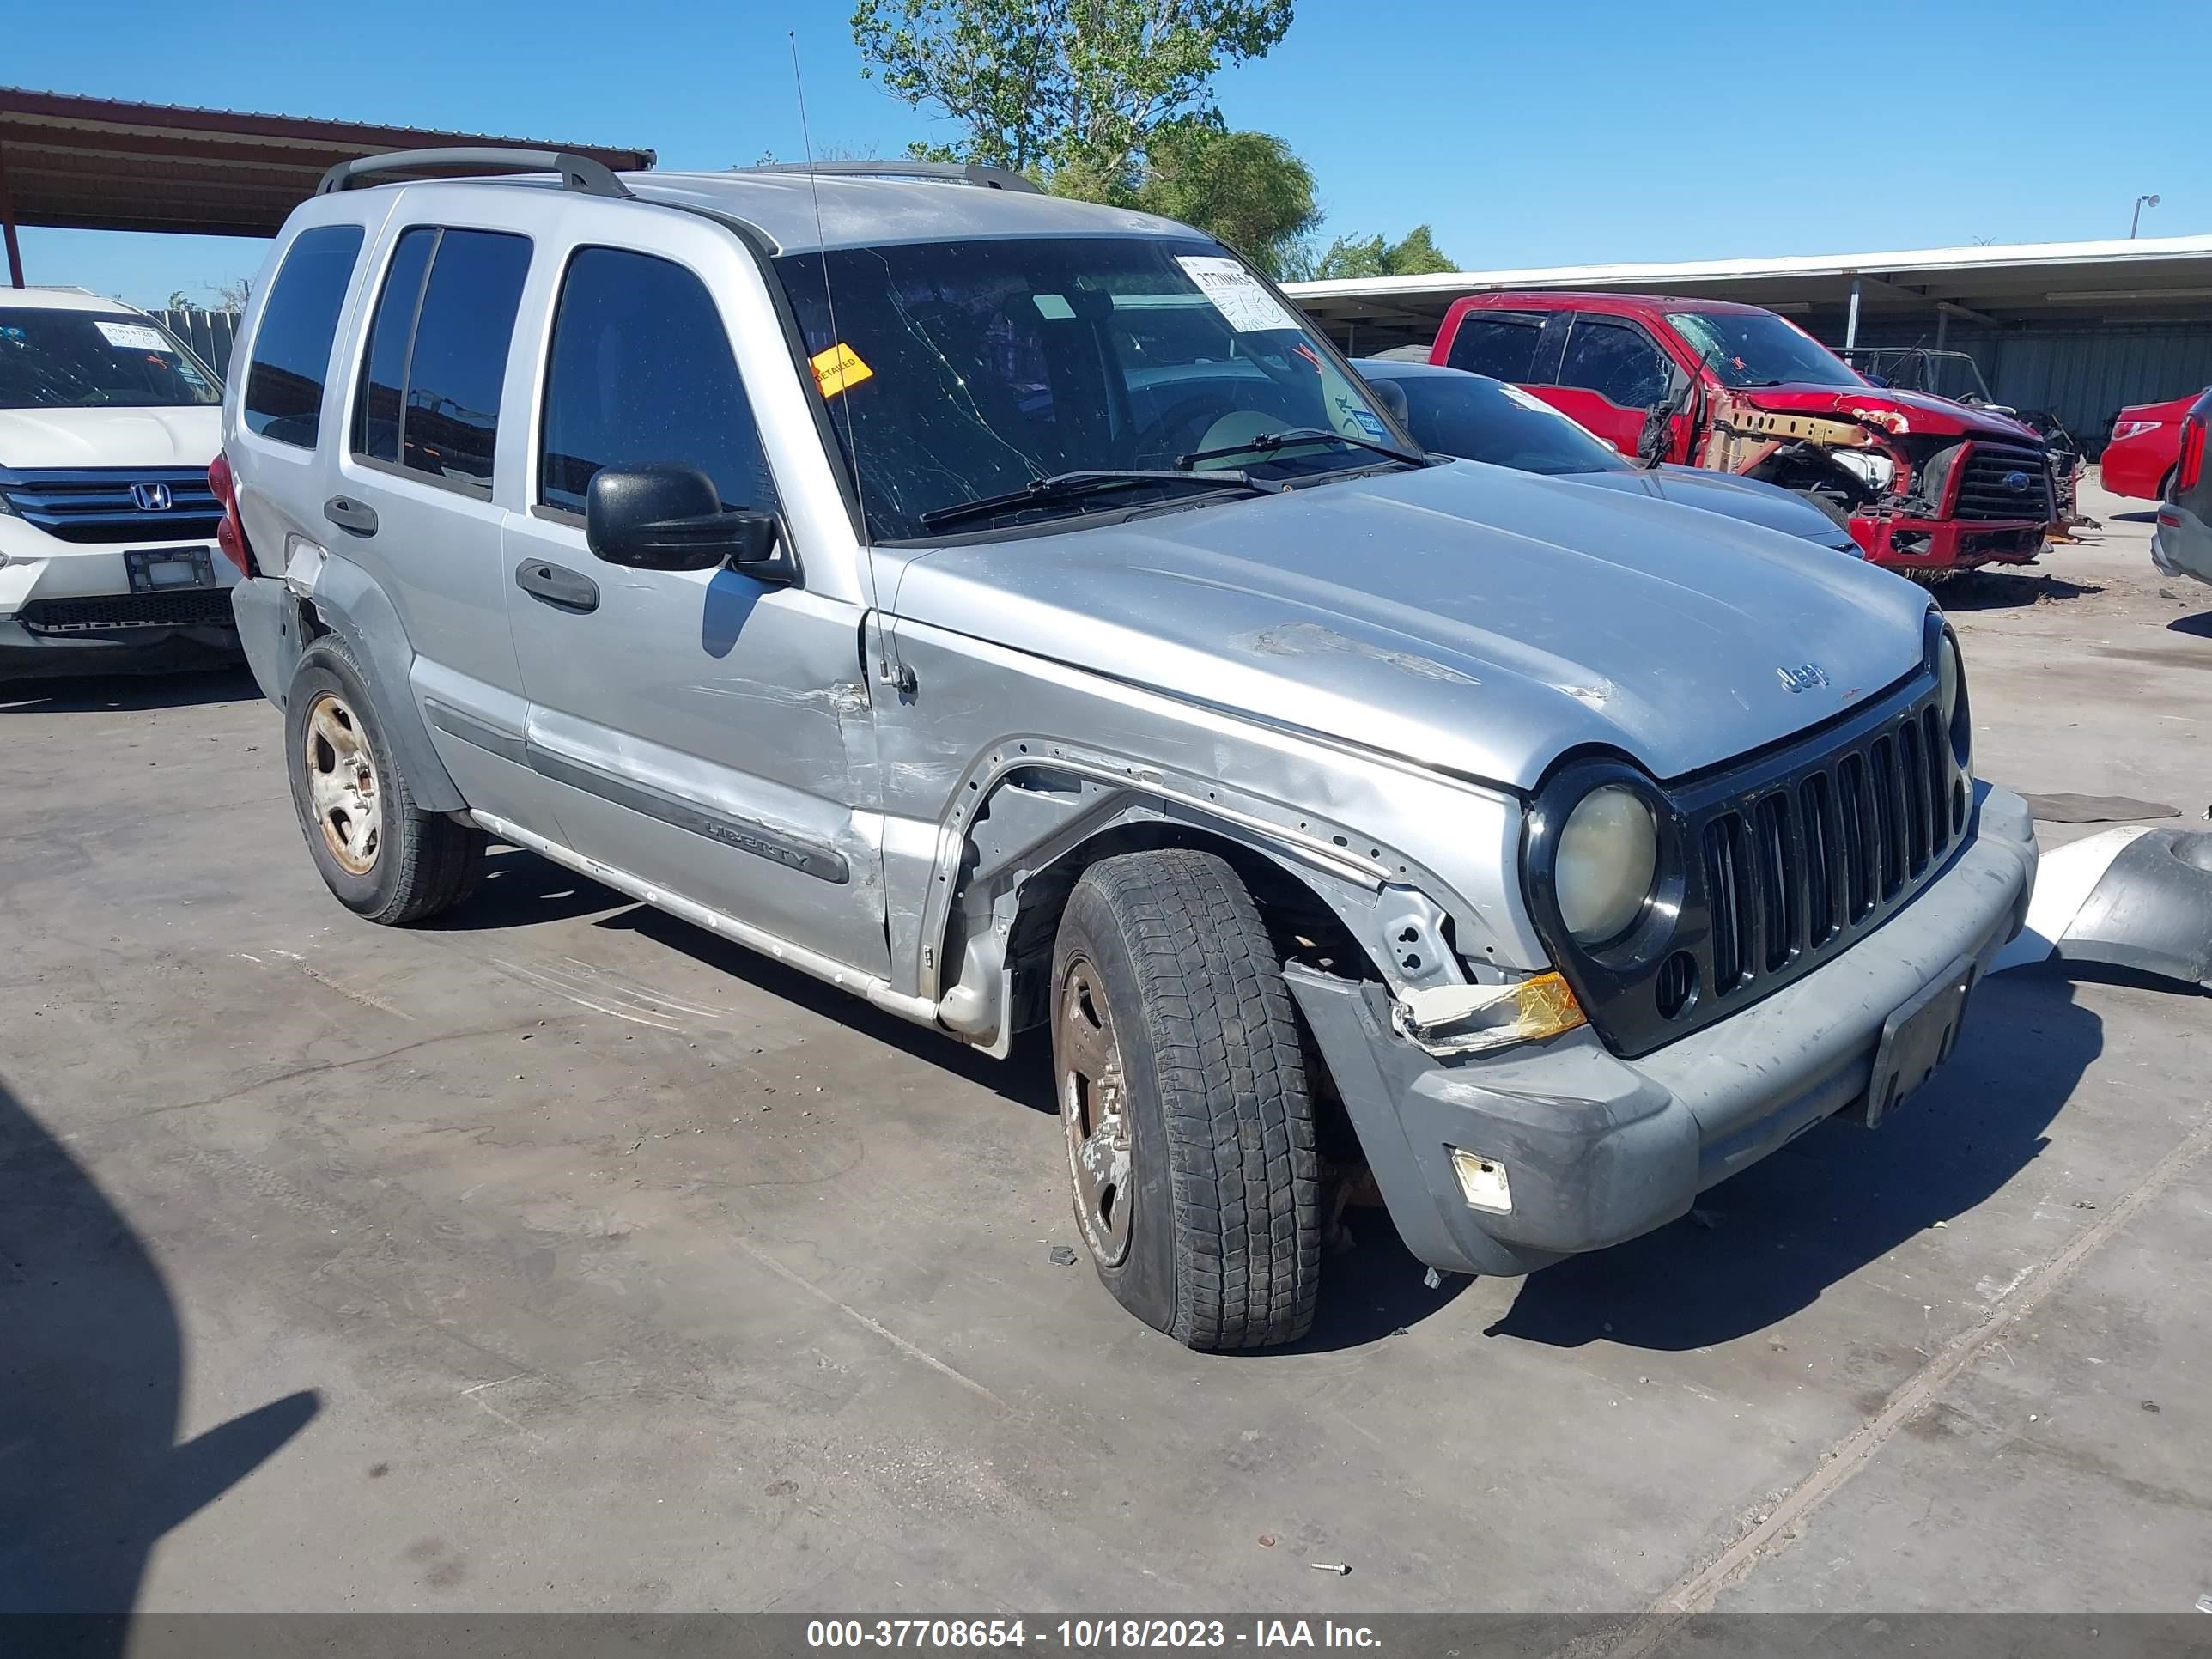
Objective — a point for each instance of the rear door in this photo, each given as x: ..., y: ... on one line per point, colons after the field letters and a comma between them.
x: 705, y: 731
x: 1610, y: 374
x: 410, y: 496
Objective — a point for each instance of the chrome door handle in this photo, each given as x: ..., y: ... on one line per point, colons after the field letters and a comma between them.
x: 557, y: 585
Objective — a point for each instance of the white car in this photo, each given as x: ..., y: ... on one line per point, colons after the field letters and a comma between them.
x: 108, y: 560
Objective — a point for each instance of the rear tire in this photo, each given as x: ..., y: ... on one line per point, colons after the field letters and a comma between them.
x: 382, y: 856
x: 1182, y: 1089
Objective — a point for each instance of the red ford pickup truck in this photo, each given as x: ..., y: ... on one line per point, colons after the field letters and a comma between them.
x: 1927, y: 485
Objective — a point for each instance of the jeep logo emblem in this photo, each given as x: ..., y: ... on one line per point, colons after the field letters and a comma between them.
x: 1803, y: 677
x: 152, y: 497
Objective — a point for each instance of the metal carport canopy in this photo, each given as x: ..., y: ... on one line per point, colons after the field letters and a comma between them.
x: 92, y: 163
x: 2163, y: 279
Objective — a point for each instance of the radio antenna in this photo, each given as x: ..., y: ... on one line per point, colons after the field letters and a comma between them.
x: 830, y: 305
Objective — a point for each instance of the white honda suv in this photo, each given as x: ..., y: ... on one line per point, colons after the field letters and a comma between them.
x: 108, y: 557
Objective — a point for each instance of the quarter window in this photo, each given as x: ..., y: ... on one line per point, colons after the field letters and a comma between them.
x: 642, y: 374
x: 436, y: 359
x: 283, y: 395
x: 1617, y: 360
x: 1501, y: 345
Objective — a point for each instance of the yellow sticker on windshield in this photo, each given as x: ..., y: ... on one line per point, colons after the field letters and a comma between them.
x: 838, y: 369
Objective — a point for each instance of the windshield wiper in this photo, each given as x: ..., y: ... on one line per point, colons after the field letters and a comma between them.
x: 1073, y: 486
x: 1268, y: 442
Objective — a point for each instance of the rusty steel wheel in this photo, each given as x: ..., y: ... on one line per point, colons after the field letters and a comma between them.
x: 342, y: 783
x: 382, y: 855
x: 1094, y: 1109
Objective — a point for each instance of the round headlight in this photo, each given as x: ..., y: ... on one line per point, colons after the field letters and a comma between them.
x: 1607, y: 859
x: 1947, y: 678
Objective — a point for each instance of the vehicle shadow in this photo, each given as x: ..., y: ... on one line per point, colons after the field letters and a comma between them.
x: 1373, y: 1290
x: 2147, y: 515
x: 129, y: 694
x: 521, y: 887
x: 91, y: 1381
x: 1768, y: 1242
x: 1024, y: 1077
x: 2004, y: 589
x: 2200, y: 625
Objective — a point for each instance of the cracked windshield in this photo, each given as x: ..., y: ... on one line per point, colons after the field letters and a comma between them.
x: 980, y: 385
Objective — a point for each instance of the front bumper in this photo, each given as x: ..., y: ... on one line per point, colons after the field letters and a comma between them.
x: 27, y: 656
x: 1599, y: 1149
x: 52, y: 602
x: 1948, y: 544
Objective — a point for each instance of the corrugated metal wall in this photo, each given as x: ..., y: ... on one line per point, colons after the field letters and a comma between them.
x: 209, y: 333
x: 2086, y: 374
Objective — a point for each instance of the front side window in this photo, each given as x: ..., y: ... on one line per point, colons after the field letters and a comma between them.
x: 640, y: 375
x: 1481, y: 420
x: 292, y: 344
x: 1756, y: 347
x: 1617, y: 360
x: 1499, y: 344
x: 956, y: 373
x: 436, y: 361
x: 96, y: 360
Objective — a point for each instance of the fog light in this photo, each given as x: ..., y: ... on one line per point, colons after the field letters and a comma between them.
x: 1482, y: 1179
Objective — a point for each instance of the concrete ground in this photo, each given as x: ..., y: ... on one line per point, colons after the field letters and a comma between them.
x: 561, y: 1256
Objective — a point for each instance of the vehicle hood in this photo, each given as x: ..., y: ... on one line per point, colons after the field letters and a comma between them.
x: 1751, y: 499
x: 1920, y: 411
x: 110, y: 437
x: 1467, y: 617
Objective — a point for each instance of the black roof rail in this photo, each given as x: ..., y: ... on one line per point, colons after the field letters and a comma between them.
x: 964, y: 173
x: 578, y: 173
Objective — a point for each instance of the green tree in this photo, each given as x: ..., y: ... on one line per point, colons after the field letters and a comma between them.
x: 1246, y: 189
x: 1062, y: 83
x: 1414, y: 254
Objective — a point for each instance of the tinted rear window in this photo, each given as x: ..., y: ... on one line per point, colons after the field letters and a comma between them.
x: 292, y: 347
x: 1483, y: 421
x: 436, y: 362
x: 391, y: 332
x: 1499, y: 344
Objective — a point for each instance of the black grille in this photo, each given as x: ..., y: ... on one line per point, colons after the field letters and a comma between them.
x: 1986, y: 483
x: 1781, y: 862
x: 97, y: 504
x: 202, y: 608
x: 1806, y: 864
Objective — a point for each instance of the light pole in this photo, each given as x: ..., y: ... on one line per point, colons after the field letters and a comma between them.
x: 2142, y: 202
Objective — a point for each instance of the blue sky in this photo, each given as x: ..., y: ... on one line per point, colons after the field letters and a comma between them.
x: 1536, y: 136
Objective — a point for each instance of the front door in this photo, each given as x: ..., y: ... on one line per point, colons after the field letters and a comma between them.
x: 700, y: 726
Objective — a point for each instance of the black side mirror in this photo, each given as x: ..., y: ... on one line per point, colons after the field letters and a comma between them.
x: 671, y: 518
x: 1392, y: 397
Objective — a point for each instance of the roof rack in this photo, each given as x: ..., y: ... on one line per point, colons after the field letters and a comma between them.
x: 962, y: 172
x: 578, y: 173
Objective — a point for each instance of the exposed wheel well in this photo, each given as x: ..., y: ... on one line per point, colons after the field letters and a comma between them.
x: 1301, y: 926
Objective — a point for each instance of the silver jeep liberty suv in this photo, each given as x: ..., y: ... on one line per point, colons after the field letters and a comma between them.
x: 1010, y: 610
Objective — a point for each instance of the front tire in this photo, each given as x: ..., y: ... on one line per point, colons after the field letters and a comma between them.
x: 1182, y: 1090
x: 382, y: 856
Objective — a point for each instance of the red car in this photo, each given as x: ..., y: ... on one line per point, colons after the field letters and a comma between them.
x: 1926, y: 484
x: 2146, y: 443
